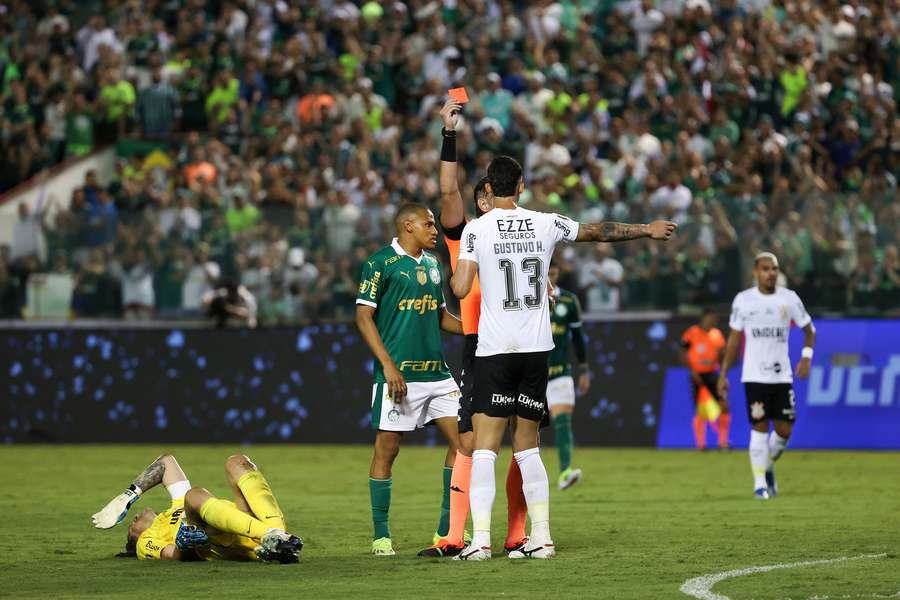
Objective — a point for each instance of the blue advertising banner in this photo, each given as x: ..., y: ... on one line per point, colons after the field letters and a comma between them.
x: 306, y: 385
x: 851, y: 399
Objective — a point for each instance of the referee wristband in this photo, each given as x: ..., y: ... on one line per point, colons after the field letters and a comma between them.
x: 807, y: 352
x: 448, y: 146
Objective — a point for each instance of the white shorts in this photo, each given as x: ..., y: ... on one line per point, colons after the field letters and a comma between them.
x: 561, y: 390
x: 425, y: 401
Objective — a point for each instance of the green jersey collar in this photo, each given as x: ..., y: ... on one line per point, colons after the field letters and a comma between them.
x: 395, y: 244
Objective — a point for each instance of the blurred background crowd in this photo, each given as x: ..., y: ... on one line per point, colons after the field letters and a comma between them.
x: 267, y: 143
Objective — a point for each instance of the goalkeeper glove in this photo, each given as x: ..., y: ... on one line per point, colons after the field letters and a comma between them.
x: 113, y: 513
x: 190, y: 537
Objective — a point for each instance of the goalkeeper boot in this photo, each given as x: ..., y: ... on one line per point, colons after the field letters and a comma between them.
x: 383, y: 547
x: 279, y: 546
x: 568, y: 478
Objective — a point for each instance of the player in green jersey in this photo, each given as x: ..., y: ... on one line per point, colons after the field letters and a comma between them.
x: 565, y: 321
x: 400, y: 312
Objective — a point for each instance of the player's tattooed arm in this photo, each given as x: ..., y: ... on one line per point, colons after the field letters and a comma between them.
x: 164, y: 469
x: 610, y: 231
x: 152, y: 475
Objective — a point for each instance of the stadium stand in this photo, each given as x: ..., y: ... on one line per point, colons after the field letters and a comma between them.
x: 270, y: 144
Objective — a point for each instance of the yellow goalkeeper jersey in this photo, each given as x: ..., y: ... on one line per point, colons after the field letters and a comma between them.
x: 161, y: 532
x: 222, y: 545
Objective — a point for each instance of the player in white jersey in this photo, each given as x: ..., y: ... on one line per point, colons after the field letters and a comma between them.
x: 510, y: 248
x: 764, y: 314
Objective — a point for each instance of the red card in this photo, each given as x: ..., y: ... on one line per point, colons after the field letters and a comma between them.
x: 459, y: 94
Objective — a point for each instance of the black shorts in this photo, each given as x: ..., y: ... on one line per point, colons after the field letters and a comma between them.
x: 467, y: 382
x: 512, y: 385
x: 710, y: 381
x: 770, y: 401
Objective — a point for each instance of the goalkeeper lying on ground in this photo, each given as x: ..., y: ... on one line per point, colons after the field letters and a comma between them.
x: 199, y: 526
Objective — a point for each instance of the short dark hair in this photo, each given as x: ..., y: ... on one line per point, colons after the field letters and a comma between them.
x: 406, y: 211
x: 504, y: 174
x: 479, y: 192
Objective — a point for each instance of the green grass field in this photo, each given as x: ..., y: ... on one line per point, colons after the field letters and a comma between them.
x: 638, y: 525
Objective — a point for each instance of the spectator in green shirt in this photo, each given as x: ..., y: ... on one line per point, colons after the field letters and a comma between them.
x: 79, y: 127
x: 117, y: 97
x: 793, y: 82
x: 223, y: 96
x: 241, y: 215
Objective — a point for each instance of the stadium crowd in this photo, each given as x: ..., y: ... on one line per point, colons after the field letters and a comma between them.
x: 284, y: 137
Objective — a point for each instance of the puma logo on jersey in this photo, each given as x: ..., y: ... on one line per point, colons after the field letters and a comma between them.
x: 405, y: 274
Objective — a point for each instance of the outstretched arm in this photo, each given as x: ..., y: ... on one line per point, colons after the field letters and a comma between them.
x: 461, y: 282
x: 452, y: 212
x: 165, y: 469
x: 610, y: 231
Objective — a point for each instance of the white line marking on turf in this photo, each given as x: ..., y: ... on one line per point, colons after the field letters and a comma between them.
x: 701, y: 587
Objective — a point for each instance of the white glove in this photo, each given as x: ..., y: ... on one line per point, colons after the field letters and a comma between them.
x: 113, y: 513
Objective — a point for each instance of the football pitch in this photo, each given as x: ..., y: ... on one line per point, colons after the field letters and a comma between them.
x: 639, y: 525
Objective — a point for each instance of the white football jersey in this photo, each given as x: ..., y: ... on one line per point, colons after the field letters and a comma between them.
x: 513, y: 249
x: 765, y: 320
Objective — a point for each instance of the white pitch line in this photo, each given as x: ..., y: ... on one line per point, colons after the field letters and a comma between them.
x: 701, y: 587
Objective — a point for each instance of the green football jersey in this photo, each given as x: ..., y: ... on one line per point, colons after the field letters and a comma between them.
x: 565, y: 315
x: 407, y: 295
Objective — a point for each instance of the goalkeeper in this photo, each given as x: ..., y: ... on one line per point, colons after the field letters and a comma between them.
x: 199, y: 526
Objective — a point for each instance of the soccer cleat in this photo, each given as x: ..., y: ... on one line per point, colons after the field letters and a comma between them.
x: 472, y: 553
x: 440, y: 550
x: 520, y: 545
x: 770, y: 481
x: 279, y: 546
x: 436, y: 538
x: 761, y: 494
x: 383, y: 547
x: 536, y: 550
x: 568, y: 478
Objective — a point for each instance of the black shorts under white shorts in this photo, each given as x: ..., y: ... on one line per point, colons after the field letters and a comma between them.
x: 467, y: 382
x: 512, y: 385
x: 710, y: 380
x: 770, y: 401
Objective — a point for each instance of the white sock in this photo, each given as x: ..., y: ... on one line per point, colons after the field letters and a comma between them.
x: 759, y: 457
x: 482, y: 490
x: 777, y: 444
x: 536, y: 487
